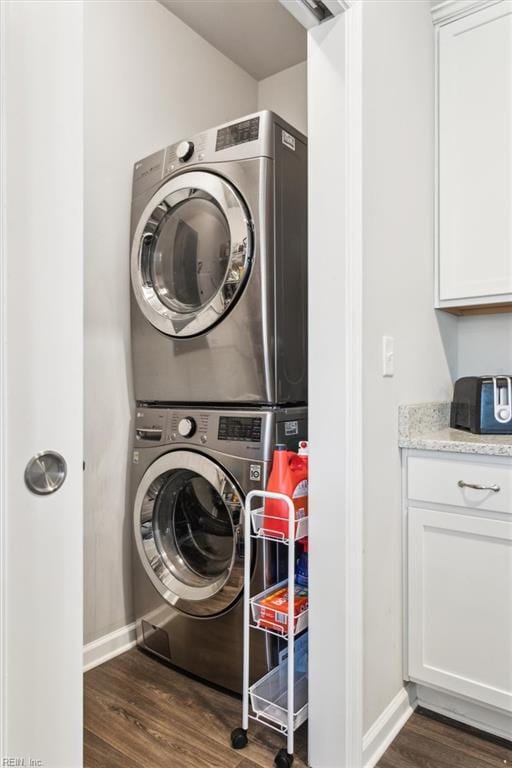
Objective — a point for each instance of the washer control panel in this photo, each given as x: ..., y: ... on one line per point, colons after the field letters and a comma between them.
x: 240, y: 428
x: 247, y: 433
x: 186, y: 426
x: 149, y: 426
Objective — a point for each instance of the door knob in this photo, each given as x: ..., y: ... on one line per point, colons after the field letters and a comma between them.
x: 45, y: 473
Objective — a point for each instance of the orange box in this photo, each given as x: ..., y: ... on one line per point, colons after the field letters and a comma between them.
x: 274, y: 608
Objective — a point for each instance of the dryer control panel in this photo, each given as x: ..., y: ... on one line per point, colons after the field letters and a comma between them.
x: 237, y: 133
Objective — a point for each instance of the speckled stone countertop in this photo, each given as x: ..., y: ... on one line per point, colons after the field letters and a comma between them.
x: 426, y: 426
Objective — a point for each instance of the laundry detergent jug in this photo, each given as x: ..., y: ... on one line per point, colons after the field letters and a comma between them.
x: 289, y: 475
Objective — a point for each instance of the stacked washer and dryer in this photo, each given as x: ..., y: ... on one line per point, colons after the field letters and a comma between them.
x: 219, y: 339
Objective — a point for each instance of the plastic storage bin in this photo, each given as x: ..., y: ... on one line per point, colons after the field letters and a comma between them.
x: 269, y: 696
x: 258, y: 523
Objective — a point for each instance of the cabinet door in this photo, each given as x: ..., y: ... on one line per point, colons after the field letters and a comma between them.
x: 460, y: 604
x: 475, y: 156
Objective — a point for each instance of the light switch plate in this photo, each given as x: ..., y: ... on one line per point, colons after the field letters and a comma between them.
x: 388, y: 356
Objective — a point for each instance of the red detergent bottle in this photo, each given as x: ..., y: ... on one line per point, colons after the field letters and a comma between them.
x: 289, y: 475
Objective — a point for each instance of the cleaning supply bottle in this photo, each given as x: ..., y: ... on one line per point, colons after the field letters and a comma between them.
x: 289, y: 475
x: 304, y: 448
x: 301, y: 571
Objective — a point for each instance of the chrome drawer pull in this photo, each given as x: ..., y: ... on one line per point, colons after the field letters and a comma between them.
x: 478, y: 487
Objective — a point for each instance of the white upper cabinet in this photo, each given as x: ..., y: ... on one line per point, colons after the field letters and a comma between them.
x: 474, y: 141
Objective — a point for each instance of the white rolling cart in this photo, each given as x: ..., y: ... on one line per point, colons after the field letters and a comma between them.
x: 279, y: 699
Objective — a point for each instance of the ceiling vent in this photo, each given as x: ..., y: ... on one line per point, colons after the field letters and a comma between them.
x: 310, y: 13
x: 319, y: 8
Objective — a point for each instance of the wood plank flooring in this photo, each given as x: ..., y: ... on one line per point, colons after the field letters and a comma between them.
x: 427, y: 741
x: 139, y: 713
x: 142, y: 714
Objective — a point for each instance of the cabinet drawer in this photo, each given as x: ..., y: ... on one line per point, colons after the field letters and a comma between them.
x: 437, y: 481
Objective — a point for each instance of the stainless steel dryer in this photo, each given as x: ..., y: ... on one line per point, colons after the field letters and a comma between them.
x: 192, y: 469
x: 219, y: 267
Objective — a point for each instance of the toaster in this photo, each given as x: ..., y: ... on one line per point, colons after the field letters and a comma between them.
x: 483, y: 405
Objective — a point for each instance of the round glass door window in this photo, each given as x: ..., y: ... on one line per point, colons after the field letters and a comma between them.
x: 188, y: 517
x: 191, y: 253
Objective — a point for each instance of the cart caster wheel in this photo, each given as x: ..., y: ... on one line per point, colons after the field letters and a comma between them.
x: 239, y: 738
x: 283, y: 759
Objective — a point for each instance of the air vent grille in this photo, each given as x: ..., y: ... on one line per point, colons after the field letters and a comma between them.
x: 319, y: 9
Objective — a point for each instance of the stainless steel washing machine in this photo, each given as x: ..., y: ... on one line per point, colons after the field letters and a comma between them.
x: 219, y: 267
x: 191, y: 471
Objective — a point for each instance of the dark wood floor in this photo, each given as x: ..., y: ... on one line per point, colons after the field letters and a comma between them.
x: 141, y: 714
x: 427, y: 741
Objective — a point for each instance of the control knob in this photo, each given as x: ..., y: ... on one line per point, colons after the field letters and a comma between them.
x: 186, y: 427
x: 184, y: 150
x: 504, y: 414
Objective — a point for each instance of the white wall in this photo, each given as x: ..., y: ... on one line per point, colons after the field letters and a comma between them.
x: 398, y: 159
x: 149, y: 80
x: 484, y: 345
x: 286, y: 94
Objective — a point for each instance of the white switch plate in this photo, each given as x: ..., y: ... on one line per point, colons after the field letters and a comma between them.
x: 388, y: 356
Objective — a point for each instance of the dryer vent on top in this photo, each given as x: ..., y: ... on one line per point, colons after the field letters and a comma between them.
x: 219, y: 267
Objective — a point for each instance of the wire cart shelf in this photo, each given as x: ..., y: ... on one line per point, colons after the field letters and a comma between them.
x: 278, y: 700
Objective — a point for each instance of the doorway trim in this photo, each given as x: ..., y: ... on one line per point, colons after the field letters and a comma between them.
x: 354, y: 387
x: 3, y: 379
x: 336, y: 421
x: 350, y: 602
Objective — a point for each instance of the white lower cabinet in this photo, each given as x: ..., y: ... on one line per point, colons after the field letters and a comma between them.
x: 460, y: 604
x: 459, y: 590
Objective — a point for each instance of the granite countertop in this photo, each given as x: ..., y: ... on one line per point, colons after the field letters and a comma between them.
x: 426, y: 426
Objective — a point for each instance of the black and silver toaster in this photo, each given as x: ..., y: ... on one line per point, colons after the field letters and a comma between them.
x: 483, y: 405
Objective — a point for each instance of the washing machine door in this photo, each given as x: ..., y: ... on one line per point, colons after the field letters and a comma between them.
x: 191, y: 253
x: 188, y: 519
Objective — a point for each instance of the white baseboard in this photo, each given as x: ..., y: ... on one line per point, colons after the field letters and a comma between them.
x: 108, y: 646
x: 488, y: 719
x: 380, y: 735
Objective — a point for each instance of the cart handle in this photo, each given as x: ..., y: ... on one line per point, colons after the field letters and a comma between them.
x: 267, y: 495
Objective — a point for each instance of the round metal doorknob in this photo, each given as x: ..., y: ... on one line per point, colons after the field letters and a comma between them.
x: 45, y: 473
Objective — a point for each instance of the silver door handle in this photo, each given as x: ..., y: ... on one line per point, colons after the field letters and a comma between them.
x: 478, y: 487
x: 45, y: 473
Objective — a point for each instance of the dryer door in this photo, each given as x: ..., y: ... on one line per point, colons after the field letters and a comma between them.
x: 188, y: 520
x: 191, y: 253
